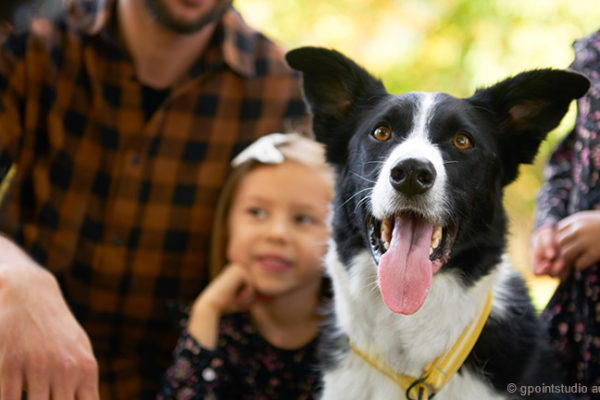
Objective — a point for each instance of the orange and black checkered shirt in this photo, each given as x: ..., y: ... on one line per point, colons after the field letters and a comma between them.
x: 116, y: 203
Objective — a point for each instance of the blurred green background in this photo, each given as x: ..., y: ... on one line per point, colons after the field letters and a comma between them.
x: 453, y: 46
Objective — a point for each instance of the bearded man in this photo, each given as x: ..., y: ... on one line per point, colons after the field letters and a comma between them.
x: 118, y: 119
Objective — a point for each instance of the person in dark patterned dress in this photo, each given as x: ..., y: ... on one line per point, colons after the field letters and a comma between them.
x: 253, y: 332
x: 566, y: 240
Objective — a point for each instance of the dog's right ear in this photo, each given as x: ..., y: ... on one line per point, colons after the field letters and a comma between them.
x: 335, y: 88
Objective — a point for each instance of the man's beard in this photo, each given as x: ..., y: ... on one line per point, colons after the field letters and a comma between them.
x: 162, y: 14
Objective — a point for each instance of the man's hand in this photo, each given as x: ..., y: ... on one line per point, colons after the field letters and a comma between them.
x: 578, y: 237
x: 43, y: 349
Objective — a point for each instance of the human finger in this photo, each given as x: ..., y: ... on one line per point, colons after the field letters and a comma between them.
x: 541, y: 266
x: 558, y: 268
x: 585, y: 260
x: 88, y: 389
x: 539, y: 260
x: 11, y: 386
x: 62, y: 388
x: 571, y: 250
x: 542, y: 260
x: 245, y: 292
x: 38, y: 387
x: 548, y: 243
x: 88, y: 392
x: 245, y: 295
x: 566, y: 234
x: 77, y: 382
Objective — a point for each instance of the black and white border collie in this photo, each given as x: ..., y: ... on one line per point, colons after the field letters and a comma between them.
x: 419, y: 230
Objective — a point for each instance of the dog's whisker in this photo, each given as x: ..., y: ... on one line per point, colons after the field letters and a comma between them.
x: 375, y: 162
x: 362, y: 177
x: 364, y: 199
x: 373, y: 286
x: 355, y: 195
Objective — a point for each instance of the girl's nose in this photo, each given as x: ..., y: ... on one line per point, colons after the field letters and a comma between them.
x: 278, y: 229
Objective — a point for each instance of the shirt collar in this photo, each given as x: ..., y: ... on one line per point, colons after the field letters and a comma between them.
x: 237, y: 46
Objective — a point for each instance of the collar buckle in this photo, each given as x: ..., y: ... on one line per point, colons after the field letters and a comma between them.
x: 419, y: 390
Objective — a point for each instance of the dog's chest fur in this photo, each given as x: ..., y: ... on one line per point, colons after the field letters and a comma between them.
x: 404, y: 343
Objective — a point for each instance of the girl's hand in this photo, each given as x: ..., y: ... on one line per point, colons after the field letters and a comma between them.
x: 578, y: 238
x: 546, y: 256
x: 230, y: 291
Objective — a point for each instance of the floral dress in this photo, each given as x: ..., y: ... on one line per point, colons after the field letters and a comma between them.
x: 572, y: 184
x: 244, y: 366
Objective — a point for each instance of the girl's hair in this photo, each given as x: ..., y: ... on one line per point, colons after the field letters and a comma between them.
x: 294, y: 147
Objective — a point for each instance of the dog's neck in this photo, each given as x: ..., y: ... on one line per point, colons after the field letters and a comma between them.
x: 406, y: 343
x: 435, y: 376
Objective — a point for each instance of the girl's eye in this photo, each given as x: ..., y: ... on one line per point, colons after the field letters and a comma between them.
x: 382, y: 133
x: 257, y: 212
x: 304, y: 219
x: 462, y: 142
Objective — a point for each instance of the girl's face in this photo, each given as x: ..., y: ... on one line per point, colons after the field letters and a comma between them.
x: 277, y: 226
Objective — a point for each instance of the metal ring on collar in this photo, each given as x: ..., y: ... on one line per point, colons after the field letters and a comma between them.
x: 422, y: 390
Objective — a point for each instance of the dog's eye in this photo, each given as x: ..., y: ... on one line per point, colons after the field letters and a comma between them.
x: 382, y: 133
x: 462, y: 142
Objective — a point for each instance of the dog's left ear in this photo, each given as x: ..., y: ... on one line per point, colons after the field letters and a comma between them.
x: 527, y: 107
x: 335, y: 88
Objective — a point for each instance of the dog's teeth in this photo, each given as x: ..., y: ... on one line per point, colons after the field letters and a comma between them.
x: 386, y: 226
x: 386, y: 233
x: 436, y: 238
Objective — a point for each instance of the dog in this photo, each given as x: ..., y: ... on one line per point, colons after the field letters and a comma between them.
x: 425, y: 301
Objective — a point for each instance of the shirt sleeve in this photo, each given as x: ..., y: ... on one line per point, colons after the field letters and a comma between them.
x: 196, y: 372
x: 552, y: 198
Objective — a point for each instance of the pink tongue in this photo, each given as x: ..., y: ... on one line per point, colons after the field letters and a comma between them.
x: 405, y: 271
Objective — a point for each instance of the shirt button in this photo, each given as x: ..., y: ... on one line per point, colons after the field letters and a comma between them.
x: 209, y: 374
x: 118, y: 241
x: 135, y: 159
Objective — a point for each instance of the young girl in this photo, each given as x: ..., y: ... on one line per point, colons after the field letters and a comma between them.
x: 252, y: 332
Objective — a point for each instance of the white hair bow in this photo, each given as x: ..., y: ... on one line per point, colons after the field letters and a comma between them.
x: 263, y: 150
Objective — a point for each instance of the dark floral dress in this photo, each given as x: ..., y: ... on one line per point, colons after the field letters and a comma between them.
x: 573, y: 184
x: 244, y: 366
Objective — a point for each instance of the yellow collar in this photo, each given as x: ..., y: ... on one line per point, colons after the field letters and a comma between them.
x: 439, y: 371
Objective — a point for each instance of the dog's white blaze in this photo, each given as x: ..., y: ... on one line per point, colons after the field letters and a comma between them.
x: 384, y: 198
x: 424, y: 113
x: 406, y: 343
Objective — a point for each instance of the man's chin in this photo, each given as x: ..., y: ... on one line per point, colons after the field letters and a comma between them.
x: 169, y: 19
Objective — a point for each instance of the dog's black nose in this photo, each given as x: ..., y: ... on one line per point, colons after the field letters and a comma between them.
x: 412, y: 176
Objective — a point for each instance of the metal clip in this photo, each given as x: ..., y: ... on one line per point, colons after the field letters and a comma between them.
x: 419, y: 389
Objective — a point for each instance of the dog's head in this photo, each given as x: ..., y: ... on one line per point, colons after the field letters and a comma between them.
x: 420, y: 175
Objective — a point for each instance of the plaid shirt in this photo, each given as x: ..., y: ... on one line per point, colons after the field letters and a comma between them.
x: 118, y: 206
